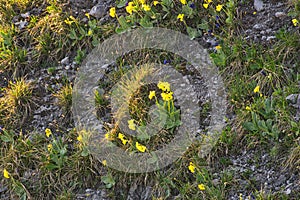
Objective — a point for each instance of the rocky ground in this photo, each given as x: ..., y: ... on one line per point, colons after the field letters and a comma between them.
x: 259, y: 22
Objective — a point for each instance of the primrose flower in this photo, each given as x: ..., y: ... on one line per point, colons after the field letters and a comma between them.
x: 295, y: 22
x: 248, y: 108
x: 112, y: 12
x: 107, y: 135
x: 183, y: 2
x: 155, y: 3
x: 6, y: 174
x: 79, y: 138
x: 205, y: 5
x: 256, y: 89
x: 201, y: 187
x: 219, y: 7
x: 131, y: 124
x: 140, y: 147
x: 167, y: 96
x: 218, y: 47
x: 49, y: 147
x: 130, y: 8
x: 146, y: 7
x: 192, y: 167
x: 151, y: 94
x: 180, y: 17
x: 48, y: 132
x: 142, y: 2
x: 104, y: 162
x: 122, y: 138
x: 164, y: 86
x: 207, y: 1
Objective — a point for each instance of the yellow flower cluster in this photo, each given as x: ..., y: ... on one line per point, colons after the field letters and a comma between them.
x: 6, y: 174
x: 201, y: 187
x: 48, y: 132
x: 122, y: 138
x: 131, y: 124
x: 180, y: 17
x: 295, y: 22
x: 192, y: 167
x: 140, y: 147
x: 167, y: 94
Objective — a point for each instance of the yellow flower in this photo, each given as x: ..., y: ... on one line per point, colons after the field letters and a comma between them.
x: 6, y: 174
x: 248, y: 108
x: 192, y: 167
x: 205, y: 5
x: 146, y: 7
x: 140, y: 147
x: 104, y: 162
x: 207, y: 1
x: 130, y: 7
x: 122, y: 138
x: 219, y: 7
x: 131, y: 124
x: 254, y: 13
x: 48, y: 132
x: 49, y: 147
x: 201, y: 187
x: 165, y: 86
x: 183, y: 2
x: 295, y: 22
x: 155, y: 3
x: 90, y: 32
x: 79, y: 138
x: 88, y: 15
x: 107, y: 136
x: 142, y: 2
x: 218, y: 47
x: 151, y: 94
x: 256, y: 89
x: 112, y: 12
x: 180, y: 17
x: 167, y: 96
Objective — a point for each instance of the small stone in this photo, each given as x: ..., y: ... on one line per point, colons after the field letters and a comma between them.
x: 258, y: 5
x: 288, y: 191
x: 258, y: 26
x: 65, y: 61
x: 98, y: 11
x: 270, y: 38
x: 292, y: 98
x: 279, y: 14
x: 25, y: 15
x: 21, y: 24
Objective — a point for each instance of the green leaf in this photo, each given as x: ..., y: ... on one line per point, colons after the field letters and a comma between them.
x: 123, y: 23
x: 146, y: 23
x: 262, y: 125
x: 153, y: 159
x: 142, y: 134
x: 203, y: 26
x: 219, y: 58
x: 121, y: 3
x: 108, y: 180
x: 193, y: 33
x: 249, y: 126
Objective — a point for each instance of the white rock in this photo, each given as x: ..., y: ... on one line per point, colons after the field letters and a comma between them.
x: 98, y: 11
x: 258, y: 5
x: 279, y: 14
x: 65, y: 61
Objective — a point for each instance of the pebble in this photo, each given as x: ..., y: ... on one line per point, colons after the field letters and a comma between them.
x: 258, y: 5
x: 65, y: 61
x: 279, y: 14
x: 98, y: 11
